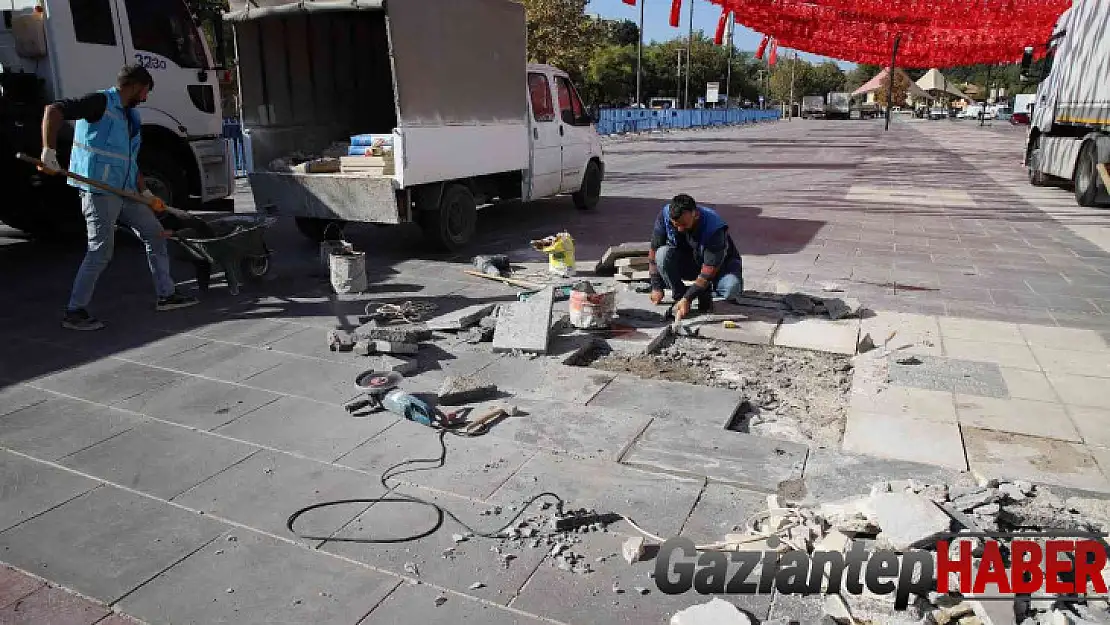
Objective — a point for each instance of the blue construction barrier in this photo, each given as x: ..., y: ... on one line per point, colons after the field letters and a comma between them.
x: 629, y: 120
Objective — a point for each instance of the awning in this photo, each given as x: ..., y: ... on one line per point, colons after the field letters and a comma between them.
x: 880, y: 82
x: 242, y: 10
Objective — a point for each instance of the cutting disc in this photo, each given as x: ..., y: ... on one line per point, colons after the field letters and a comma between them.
x: 377, y: 381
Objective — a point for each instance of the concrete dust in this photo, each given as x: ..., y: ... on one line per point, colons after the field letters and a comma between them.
x: 794, y: 394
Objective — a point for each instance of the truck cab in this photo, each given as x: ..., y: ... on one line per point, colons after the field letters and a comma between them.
x: 564, y: 138
x: 73, y: 47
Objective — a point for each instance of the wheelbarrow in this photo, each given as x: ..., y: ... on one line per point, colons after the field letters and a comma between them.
x: 237, y: 245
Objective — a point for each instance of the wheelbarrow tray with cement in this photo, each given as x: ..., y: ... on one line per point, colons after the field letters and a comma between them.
x: 239, y: 248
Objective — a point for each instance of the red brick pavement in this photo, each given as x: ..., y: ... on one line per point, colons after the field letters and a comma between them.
x: 26, y: 600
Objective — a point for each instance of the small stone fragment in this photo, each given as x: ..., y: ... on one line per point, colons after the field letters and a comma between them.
x: 866, y: 344
x: 464, y: 389
x: 642, y: 590
x: 440, y: 600
x: 411, y: 569
x: 716, y: 612
x: 230, y: 590
x: 458, y: 538
x: 393, y: 347
x: 340, y: 341
x: 477, y: 585
x: 908, y: 360
x: 799, y: 302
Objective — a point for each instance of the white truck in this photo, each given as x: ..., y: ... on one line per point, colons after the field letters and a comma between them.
x: 1069, y: 130
x: 839, y: 105
x: 813, y: 106
x: 51, y: 49
x: 470, y: 121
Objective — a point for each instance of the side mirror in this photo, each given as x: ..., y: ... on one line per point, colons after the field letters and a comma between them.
x: 568, y: 117
x: 1026, y: 62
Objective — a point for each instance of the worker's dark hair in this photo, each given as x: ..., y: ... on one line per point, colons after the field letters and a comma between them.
x: 134, y: 75
x: 682, y: 203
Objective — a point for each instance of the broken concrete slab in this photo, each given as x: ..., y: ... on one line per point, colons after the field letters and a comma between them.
x: 800, y: 303
x: 633, y: 549
x: 525, y: 326
x: 838, y: 308
x: 402, y: 333
x: 716, y: 612
x: 625, y: 250
x: 460, y: 319
x: 340, y: 341
x: 539, y: 379
x: 635, y: 341
x: 907, y: 520
x: 822, y: 335
x: 754, y: 331
x: 464, y: 389
x: 905, y: 438
x: 633, y: 262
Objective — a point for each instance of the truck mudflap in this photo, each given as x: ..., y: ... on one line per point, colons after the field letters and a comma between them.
x: 348, y: 197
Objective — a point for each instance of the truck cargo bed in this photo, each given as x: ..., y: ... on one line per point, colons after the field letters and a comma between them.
x: 350, y: 197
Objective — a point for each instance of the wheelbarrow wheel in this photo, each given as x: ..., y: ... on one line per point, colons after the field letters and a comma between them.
x: 256, y: 267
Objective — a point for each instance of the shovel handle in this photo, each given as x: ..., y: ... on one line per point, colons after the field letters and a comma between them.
x: 92, y: 183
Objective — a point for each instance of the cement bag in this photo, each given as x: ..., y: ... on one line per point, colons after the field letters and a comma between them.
x: 348, y: 271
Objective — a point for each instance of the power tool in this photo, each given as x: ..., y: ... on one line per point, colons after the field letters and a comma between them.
x: 379, y: 392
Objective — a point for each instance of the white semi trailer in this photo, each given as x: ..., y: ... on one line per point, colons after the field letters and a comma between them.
x: 1069, y: 131
x: 470, y: 121
x: 52, y: 49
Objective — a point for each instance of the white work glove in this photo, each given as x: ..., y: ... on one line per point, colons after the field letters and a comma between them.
x: 49, y: 160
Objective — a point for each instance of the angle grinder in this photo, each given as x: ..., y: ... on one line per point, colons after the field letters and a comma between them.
x: 373, y: 387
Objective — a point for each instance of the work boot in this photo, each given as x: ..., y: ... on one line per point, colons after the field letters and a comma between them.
x: 174, y: 301
x: 80, y: 319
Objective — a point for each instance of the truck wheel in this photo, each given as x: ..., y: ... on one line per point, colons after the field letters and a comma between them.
x: 590, y: 194
x: 451, y: 225
x: 165, y: 178
x: 319, y: 230
x: 1086, y: 176
x: 1037, y: 177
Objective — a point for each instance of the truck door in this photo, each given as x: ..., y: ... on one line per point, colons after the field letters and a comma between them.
x: 574, y: 130
x: 547, y: 149
x: 86, y: 45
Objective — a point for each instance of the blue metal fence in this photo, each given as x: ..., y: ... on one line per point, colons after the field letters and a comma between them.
x: 629, y: 120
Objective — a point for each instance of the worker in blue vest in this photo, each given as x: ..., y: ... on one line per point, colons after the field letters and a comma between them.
x: 106, y: 145
x: 691, y: 242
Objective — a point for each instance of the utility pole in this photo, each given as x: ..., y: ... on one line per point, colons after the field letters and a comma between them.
x: 689, y: 51
x: 762, y: 89
x: 678, y: 82
x: 890, y: 80
x: 728, y: 77
x: 640, y: 55
x: 790, y: 116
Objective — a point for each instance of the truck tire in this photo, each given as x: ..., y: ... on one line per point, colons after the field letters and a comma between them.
x: 165, y: 178
x: 1037, y: 177
x: 451, y: 224
x: 1086, y: 176
x: 319, y: 230
x: 590, y: 194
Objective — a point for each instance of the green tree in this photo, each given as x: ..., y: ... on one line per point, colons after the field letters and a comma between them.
x: 859, y: 76
x: 611, y: 76
x: 899, y: 90
x: 622, y: 32
x: 828, y: 77
x: 560, y: 33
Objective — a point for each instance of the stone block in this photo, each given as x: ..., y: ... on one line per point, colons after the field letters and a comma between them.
x: 460, y: 319
x: 905, y: 438
x: 624, y: 250
x: 635, y: 341
x: 159, y: 459
x: 536, y: 379
x: 19, y: 396
x: 1052, y: 337
x: 906, y: 520
x: 1000, y: 455
x: 223, y: 361
x: 823, y: 335
x: 28, y: 488
x: 59, y: 427
x: 715, y: 407
x: 525, y: 326
x: 912, y: 333
x: 259, y: 579
x: 457, y: 390
x: 752, y: 331
x: 716, y: 612
x: 831, y: 475
x: 253, y: 332
x: 14, y: 585
x: 107, y: 542
x: 719, y: 509
x: 1001, y: 354
x: 400, y: 333
x: 632, y: 262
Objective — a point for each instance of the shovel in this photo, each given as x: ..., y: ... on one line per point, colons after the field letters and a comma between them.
x: 131, y: 195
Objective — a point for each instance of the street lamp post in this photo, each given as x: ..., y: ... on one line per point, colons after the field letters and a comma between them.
x: 678, y: 81
x: 728, y: 76
x: 689, y: 57
x: 640, y: 55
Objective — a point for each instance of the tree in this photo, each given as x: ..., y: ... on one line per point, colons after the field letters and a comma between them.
x: 611, y: 76
x: 859, y: 76
x: 898, y: 92
x: 622, y: 32
x: 828, y: 77
x: 560, y: 33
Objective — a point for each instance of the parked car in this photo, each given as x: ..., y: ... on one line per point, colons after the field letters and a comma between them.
x: 938, y: 112
x: 1020, y: 119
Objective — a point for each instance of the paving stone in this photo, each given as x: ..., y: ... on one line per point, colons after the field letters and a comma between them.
x: 253, y: 332
x: 198, y: 402
x: 832, y: 475
x: 719, y: 510
x: 329, y: 382
x: 753, y: 331
x: 570, y: 428
x: 223, y: 361
x: 663, y: 398
x: 462, y: 318
x: 1018, y: 416
x: 26, y: 361
x: 999, y: 455
x: 158, y: 459
x: 467, y: 561
x: 907, y: 520
x: 823, y: 335
x: 28, y: 488
x: 1025, y: 384
x: 983, y: 379
x: 161, y: 348
x: 107, y: 381
x: 1071, y: 362
x: 634, y: 340
x: 308, y: 342
x: 1052, y: 337
x: 1003, y: 354
x: 1080, y: 390
x: 106, y: 542
x: 570, y: 597
x: 659, y: 500
x: 903, y: 401
x: 475, y: 466
x: 525, y: 326
x: 624, y: 250
x: 401, y: 333
x: 435, y: 365
x: 59, y: 427
x: 411, y: 604
x: 1093, y: 424
x: 20, y: 396
x: 54, y: 606
x: 981, y: 330
x: 796, y: 609
x: 458, y: 390
x: 15, y: 585
x: 536, y: 379
x: 904, y: 438
x: 272, y: 582
x: 263, y: 490
x: 306, y: 427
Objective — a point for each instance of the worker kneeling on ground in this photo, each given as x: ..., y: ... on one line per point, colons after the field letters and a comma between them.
x: 106, y: 149
x: 691, y: 242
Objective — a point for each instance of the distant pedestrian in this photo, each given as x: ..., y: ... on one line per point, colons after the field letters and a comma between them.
x: 106, y: 145
x: 691, y: 242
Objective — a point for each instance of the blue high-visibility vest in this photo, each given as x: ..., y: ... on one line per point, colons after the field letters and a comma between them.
x: 711, y: 222
x: 106, y: 150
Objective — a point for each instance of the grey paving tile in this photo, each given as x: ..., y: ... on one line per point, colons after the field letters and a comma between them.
x: 720, y: 509
x: 222, y: 361
x: 662, y: 501
x: 106, y: 542
x: 20, y: 396
x: 831, y: 474
x: 540, y: 380
x: 161, y: 348
x: 59, y: 427
x: 312, y: 429
x: 107, y: 381
x: 329, y: 382
x: 438, y: 558
x: 272, y: 582
x: 1001, y: 455
x: 159, y: 459
x: 582, y: 599
x: 661, y: 398
x: 411, y: 603
x: 253, y: 332
x: 950, y: 374
x: 474, y: 466
x: 310, y: 342
x: 265, y: 489
x: 198, y: 402
x: 28, y: 488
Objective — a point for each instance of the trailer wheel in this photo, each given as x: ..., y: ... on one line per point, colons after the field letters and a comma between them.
x: 590, y: 194
x: 1086, y: 176
x: 1037, y: 177
x: 452, y: 223
x: 319, y: 230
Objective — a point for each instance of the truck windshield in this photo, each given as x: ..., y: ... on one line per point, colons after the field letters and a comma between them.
x: 166, y: 28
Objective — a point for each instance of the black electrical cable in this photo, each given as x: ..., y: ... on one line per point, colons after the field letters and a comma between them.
x: 403, y: 498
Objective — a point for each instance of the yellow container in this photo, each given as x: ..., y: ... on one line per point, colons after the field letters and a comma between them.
x: 560, y: 253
